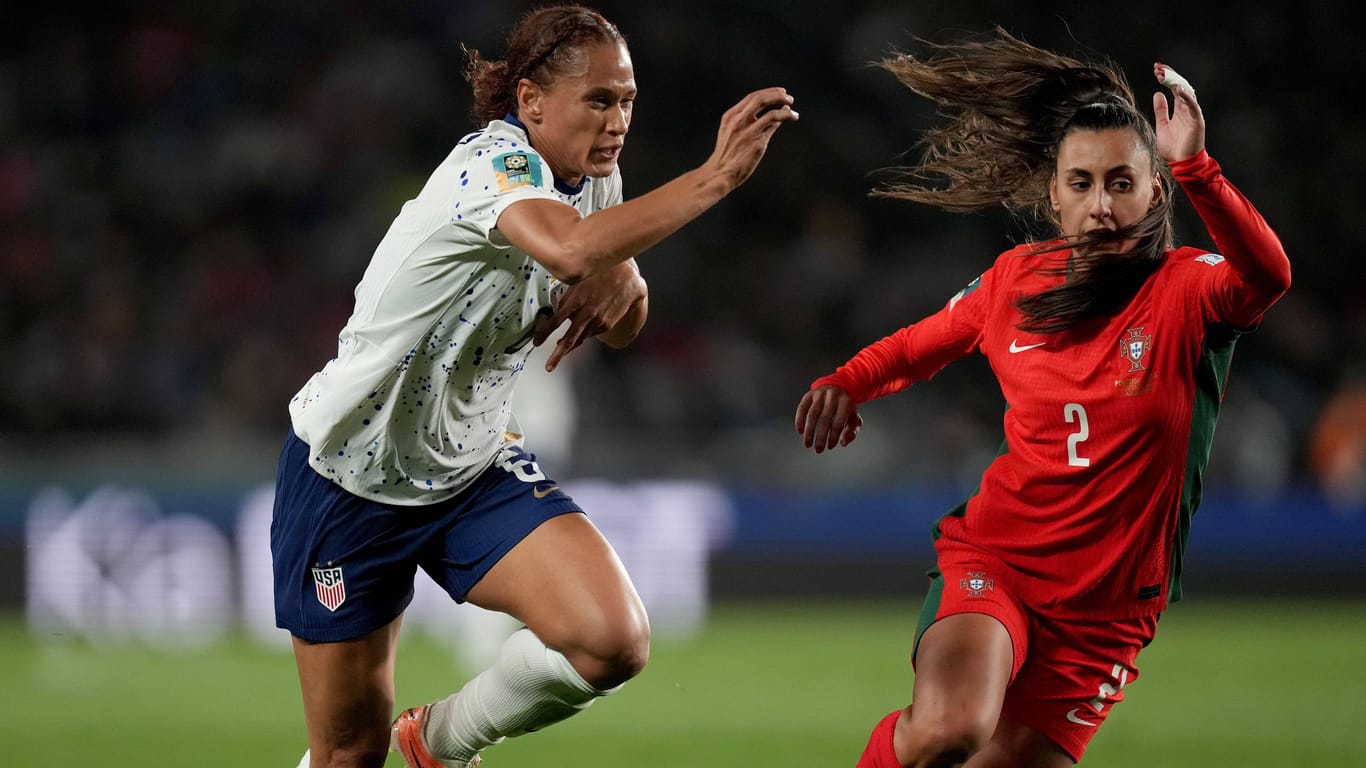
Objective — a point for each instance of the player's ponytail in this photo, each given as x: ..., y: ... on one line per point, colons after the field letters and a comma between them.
x: 1008, y: 105
x: 546, y: 44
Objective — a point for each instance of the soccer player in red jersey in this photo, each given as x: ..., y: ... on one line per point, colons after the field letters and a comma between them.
x: 1112, y: 350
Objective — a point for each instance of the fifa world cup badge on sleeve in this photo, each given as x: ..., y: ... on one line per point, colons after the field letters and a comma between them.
x: 331, y: 587
x: 969, y: 288
x: 515, y: 169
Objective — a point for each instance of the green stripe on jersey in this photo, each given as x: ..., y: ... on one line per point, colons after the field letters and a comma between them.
x: 1211, y: 377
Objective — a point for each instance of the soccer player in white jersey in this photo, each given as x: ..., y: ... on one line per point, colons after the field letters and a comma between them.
x: 403, y: 452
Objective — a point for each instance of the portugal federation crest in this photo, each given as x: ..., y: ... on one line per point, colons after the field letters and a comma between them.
x: 331, y: 587
x: 976, y: 583
x: 1134, y: 348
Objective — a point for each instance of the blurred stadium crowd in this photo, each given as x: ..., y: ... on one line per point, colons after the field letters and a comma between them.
x: 189, y: 195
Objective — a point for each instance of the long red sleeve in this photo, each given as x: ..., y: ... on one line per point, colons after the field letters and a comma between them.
x: 914, y: 353
x: 1256, y: 258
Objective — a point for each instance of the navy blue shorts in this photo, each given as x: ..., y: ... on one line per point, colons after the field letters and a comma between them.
x: 344, y: 565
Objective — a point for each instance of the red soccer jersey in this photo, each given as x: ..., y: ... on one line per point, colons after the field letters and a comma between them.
x: 1108, y: 425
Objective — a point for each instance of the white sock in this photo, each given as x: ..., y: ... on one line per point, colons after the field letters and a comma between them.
x: 304, y: 763
x: 528, y: 688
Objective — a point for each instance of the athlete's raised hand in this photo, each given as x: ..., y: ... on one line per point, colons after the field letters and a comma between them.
x: 827, y: 417
x: 745, y: 130
x: 1180, y: 131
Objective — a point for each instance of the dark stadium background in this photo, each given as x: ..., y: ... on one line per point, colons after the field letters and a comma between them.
x: 189, y: 194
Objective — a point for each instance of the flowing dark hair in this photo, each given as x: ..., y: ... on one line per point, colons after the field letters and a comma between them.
x: 1008, y: 105
x: 545, y: 44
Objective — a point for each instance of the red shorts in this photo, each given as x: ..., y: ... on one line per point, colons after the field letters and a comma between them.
x: 1067, y: 675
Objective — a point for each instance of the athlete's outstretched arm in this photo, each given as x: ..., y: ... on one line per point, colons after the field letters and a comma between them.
x: 572, y: 247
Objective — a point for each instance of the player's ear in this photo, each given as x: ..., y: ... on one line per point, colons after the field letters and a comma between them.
x: 529, y: 100
x: 1157, y: 192
x: 1053, y: 194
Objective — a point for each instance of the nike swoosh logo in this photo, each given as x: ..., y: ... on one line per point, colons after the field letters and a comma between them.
x: 1015, y: 347
x: 541, y: 493
x: 1072, y: 717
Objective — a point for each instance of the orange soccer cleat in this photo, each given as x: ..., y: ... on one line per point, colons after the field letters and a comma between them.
x: 406, y: 739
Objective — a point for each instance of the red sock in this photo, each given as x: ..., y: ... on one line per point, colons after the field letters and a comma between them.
x: 880, y: 753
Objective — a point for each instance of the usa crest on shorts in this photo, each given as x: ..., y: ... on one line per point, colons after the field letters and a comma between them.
x: 331, y: 587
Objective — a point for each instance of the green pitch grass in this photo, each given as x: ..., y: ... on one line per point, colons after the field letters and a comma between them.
x: 1225, y: 684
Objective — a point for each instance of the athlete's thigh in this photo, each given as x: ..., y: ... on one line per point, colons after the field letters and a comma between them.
x: 973, y: 637
x: 519, y: 544
x: 962, y: 669
x: 348, y: 691
x: 565, y: 582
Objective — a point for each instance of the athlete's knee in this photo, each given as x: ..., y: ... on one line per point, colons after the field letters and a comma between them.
x: 940, y: 742
x: 612, y: 655
x: 351, y: 758
x: 629, y: 652
x: 348, y: 704
x: 352, y: 749
x: 608, y: 653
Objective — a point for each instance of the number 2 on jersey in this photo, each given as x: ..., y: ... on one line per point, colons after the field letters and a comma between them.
x: 1074, y: 413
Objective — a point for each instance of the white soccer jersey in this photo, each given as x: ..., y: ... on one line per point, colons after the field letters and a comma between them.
x: 416, y: 402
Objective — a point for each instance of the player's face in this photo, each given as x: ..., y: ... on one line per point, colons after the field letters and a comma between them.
x: 1104, y: 180
x: 579, y: 122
